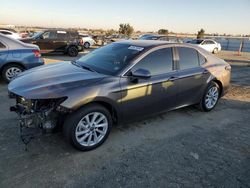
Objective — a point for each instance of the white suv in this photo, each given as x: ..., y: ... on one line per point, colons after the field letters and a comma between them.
x: 207, y: 44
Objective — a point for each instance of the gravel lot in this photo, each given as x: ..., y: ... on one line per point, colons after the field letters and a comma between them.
x: 182, y: 148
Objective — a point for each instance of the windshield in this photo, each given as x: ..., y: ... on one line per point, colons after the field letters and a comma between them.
x: 37, y: 34
x: 195, y: 41
x: 110, y: 59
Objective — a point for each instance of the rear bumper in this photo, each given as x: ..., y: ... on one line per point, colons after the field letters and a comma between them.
x: 34, y: 64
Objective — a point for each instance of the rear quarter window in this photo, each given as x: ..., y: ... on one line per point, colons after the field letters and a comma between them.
x: 62, y: 35
x: 188, y: 58
x: 202, y: 59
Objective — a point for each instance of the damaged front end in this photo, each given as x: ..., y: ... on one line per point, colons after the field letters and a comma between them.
x: 37, y: 116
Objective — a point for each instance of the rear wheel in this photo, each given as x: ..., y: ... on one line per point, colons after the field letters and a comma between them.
x: 210, y: 97
x: 11, y: 71
x: 72, y: 51
x: 86, y: 45
x: 215, y: 51
x: 88, y: 127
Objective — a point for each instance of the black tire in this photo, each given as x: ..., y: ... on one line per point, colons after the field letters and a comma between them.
x: 72, y: 120
x: 202, y: 104
x: 72, y: 51
x: 86, y: 45
x: 7, y: 68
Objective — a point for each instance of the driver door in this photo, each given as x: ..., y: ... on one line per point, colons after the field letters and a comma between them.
x: 141, y: 97
x: 46, y: 41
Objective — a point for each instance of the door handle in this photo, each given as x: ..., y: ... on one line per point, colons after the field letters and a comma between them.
x: 173, y: 78
x: 205, y: 71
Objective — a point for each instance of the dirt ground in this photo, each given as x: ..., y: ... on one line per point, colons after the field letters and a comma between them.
x: 182, y: 148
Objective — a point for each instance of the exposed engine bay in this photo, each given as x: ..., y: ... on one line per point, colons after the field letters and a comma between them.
x: 37, y: 116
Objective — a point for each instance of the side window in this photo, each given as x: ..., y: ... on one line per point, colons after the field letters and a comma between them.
x: 202, y: 59
x: 163, y: 38
x: 2, y: 45
x: 211, y: 42
x: 61, y: 36
x: 208, y: 42
x: 49, y: 35
x: 52, y: 35
x: 157, y: 62
x: 188, y: 58
x: 46, y: 35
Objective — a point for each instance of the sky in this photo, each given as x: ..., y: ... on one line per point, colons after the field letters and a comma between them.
x: 187, y: 16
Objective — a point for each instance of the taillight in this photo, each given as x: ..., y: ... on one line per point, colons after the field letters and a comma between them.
x: 81, y: 41
x: 36, y: 53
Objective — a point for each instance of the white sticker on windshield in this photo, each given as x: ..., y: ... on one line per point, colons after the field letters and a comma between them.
x: 61, y: 31
x: 135, y: 48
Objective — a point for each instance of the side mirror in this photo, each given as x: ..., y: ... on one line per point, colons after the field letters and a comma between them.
x: 141, y: 73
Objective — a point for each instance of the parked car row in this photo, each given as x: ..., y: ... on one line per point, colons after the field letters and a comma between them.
x: 207, y: 44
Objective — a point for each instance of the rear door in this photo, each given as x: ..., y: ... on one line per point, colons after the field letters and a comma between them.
x: 192, y: 76
x: 60, y: 42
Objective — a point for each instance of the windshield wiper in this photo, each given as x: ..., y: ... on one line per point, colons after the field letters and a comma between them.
x: 83, y: 66
x: 88, y: 68
x: 75, y: 63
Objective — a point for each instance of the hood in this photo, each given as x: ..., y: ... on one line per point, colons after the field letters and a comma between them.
x: 52, y: 81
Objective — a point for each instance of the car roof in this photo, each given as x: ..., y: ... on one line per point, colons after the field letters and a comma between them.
x: 148, y: 44
x: 144, y: 43
x: 14, y: 44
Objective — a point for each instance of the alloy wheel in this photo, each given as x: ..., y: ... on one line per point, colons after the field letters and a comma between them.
x: 91, y: 129
x: 212, y: 97
x: 12, y: 72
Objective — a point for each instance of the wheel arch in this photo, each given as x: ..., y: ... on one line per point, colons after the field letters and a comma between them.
x: 110, y: 106
x: 12, y: 63
x: 219, y: 84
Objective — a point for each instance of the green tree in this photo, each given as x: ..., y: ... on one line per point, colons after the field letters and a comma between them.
x: 110, y: 32
x: 126, y: 29
x: 163, y: 32
x: 201, y: 34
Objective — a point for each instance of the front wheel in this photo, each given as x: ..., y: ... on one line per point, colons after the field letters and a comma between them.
x: 210, y: 97
x: 88, y: 127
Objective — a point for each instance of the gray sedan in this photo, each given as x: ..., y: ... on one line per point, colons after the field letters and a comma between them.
x: 119, y: 82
